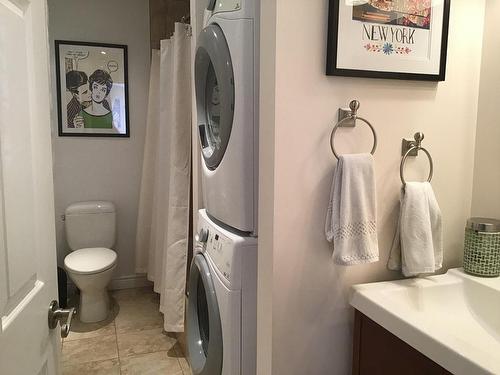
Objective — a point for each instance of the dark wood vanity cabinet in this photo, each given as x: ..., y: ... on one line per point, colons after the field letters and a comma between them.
x: 376, y: 351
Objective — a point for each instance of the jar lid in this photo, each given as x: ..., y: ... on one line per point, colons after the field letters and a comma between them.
x: 483, y: 224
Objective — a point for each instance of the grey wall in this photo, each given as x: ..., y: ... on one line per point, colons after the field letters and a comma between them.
x: 104, y: 168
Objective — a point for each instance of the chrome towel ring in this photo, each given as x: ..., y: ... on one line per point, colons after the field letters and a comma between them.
x: 354, y: 106
x: 416, y: 146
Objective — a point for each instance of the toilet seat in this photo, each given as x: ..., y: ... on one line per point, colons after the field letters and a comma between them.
x: 90, y: 260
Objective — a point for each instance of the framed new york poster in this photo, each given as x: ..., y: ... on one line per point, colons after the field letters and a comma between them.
x: 401, y: 39
x: 92, y: 89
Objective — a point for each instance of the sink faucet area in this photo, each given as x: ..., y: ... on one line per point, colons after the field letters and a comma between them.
x: 453, y: 319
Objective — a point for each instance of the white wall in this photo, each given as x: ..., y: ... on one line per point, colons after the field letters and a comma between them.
x: 311, y: 326
x: 486, y: 197
x: 104, y: 168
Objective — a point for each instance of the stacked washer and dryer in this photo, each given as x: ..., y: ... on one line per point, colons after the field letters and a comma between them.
x: 222, y: 287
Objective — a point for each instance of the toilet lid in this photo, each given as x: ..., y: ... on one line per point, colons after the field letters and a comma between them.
x: 91, y: 260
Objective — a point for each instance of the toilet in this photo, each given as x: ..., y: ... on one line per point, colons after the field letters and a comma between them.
x: 90, y: 232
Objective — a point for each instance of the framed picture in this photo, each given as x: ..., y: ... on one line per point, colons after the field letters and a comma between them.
x: 401, y: 39
x: 92, y: 89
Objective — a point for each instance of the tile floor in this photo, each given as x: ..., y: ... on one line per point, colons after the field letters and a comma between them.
x: 131, y: 341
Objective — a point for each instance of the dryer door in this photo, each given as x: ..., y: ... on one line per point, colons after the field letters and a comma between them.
x: 204, y: 331
x: 214, y: 86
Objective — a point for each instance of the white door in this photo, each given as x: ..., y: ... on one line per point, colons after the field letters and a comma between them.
x: 27, y: 237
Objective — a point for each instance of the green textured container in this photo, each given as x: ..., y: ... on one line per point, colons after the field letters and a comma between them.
x: 482, y: 247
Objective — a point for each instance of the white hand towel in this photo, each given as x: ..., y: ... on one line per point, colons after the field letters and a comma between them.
x: 418, y: 244
x: 352, y: 213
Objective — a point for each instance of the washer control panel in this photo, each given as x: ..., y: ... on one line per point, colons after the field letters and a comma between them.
x: 220, y: 249
x: 227, y: 5
x: 229, y: 254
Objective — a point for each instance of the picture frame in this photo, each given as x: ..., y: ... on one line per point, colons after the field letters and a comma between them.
x: 92, y: 89
x: 397, y: 39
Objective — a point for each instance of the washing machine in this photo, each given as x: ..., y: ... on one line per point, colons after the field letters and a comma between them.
x: 221, y: 314
x: 226, y: 86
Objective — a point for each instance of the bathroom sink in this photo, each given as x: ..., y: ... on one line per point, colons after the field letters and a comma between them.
x: 454, y: 319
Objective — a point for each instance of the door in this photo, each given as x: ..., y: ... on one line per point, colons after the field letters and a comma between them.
x: 204, y: 331
x: 214, y: 86
x: 27, y: 234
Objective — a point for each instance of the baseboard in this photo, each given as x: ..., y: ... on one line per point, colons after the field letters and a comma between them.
x: 122, y: 282
x: 130, y: 281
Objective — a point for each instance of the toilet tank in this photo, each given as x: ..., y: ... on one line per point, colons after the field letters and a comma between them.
x: 90, y: 224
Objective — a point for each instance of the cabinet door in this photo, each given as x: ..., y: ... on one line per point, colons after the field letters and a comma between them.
x: 379, y: 352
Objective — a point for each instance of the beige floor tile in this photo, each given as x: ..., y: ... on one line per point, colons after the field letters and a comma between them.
x: 90, y: 350
x: 144, y: 341
x: 185, y: 366
x: 136, y: 295
x: 108, y: 367
x: 150, y: 364
x: 81, y: 330
x: 175, y: 351
x: 134, y: 332
x: 138, y: 316
x: 178, y: 349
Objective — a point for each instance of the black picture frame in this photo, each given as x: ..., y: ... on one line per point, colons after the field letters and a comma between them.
x: 332, y: 51
x: 62, y: 132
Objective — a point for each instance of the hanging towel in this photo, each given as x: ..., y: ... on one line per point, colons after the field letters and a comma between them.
x: 352, y: 214
x: 418, y: 244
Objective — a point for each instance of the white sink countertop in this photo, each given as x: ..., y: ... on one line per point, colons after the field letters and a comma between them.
x: 454, y: 319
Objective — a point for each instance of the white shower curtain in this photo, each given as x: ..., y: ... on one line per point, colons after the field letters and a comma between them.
x: 163, y: 221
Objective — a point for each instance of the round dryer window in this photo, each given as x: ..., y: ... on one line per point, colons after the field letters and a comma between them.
x: 204, y: 330
x: 214, y: 86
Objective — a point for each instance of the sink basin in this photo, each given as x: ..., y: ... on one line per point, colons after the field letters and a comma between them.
x: 454, y: 319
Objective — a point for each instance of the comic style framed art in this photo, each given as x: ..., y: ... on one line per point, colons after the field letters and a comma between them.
x: 92, y: 89
x: 395, y: 39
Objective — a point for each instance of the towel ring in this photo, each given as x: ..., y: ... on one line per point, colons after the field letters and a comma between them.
x: 417, y: 146
x: 354, y: 106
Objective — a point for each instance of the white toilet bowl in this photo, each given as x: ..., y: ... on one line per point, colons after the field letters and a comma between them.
x: 91, y: 270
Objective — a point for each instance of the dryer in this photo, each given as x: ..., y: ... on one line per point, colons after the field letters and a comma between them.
x: 226, y: 86
x: 221, y: 314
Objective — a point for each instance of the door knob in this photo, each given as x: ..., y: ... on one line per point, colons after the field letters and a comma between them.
x: 56, y: 314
